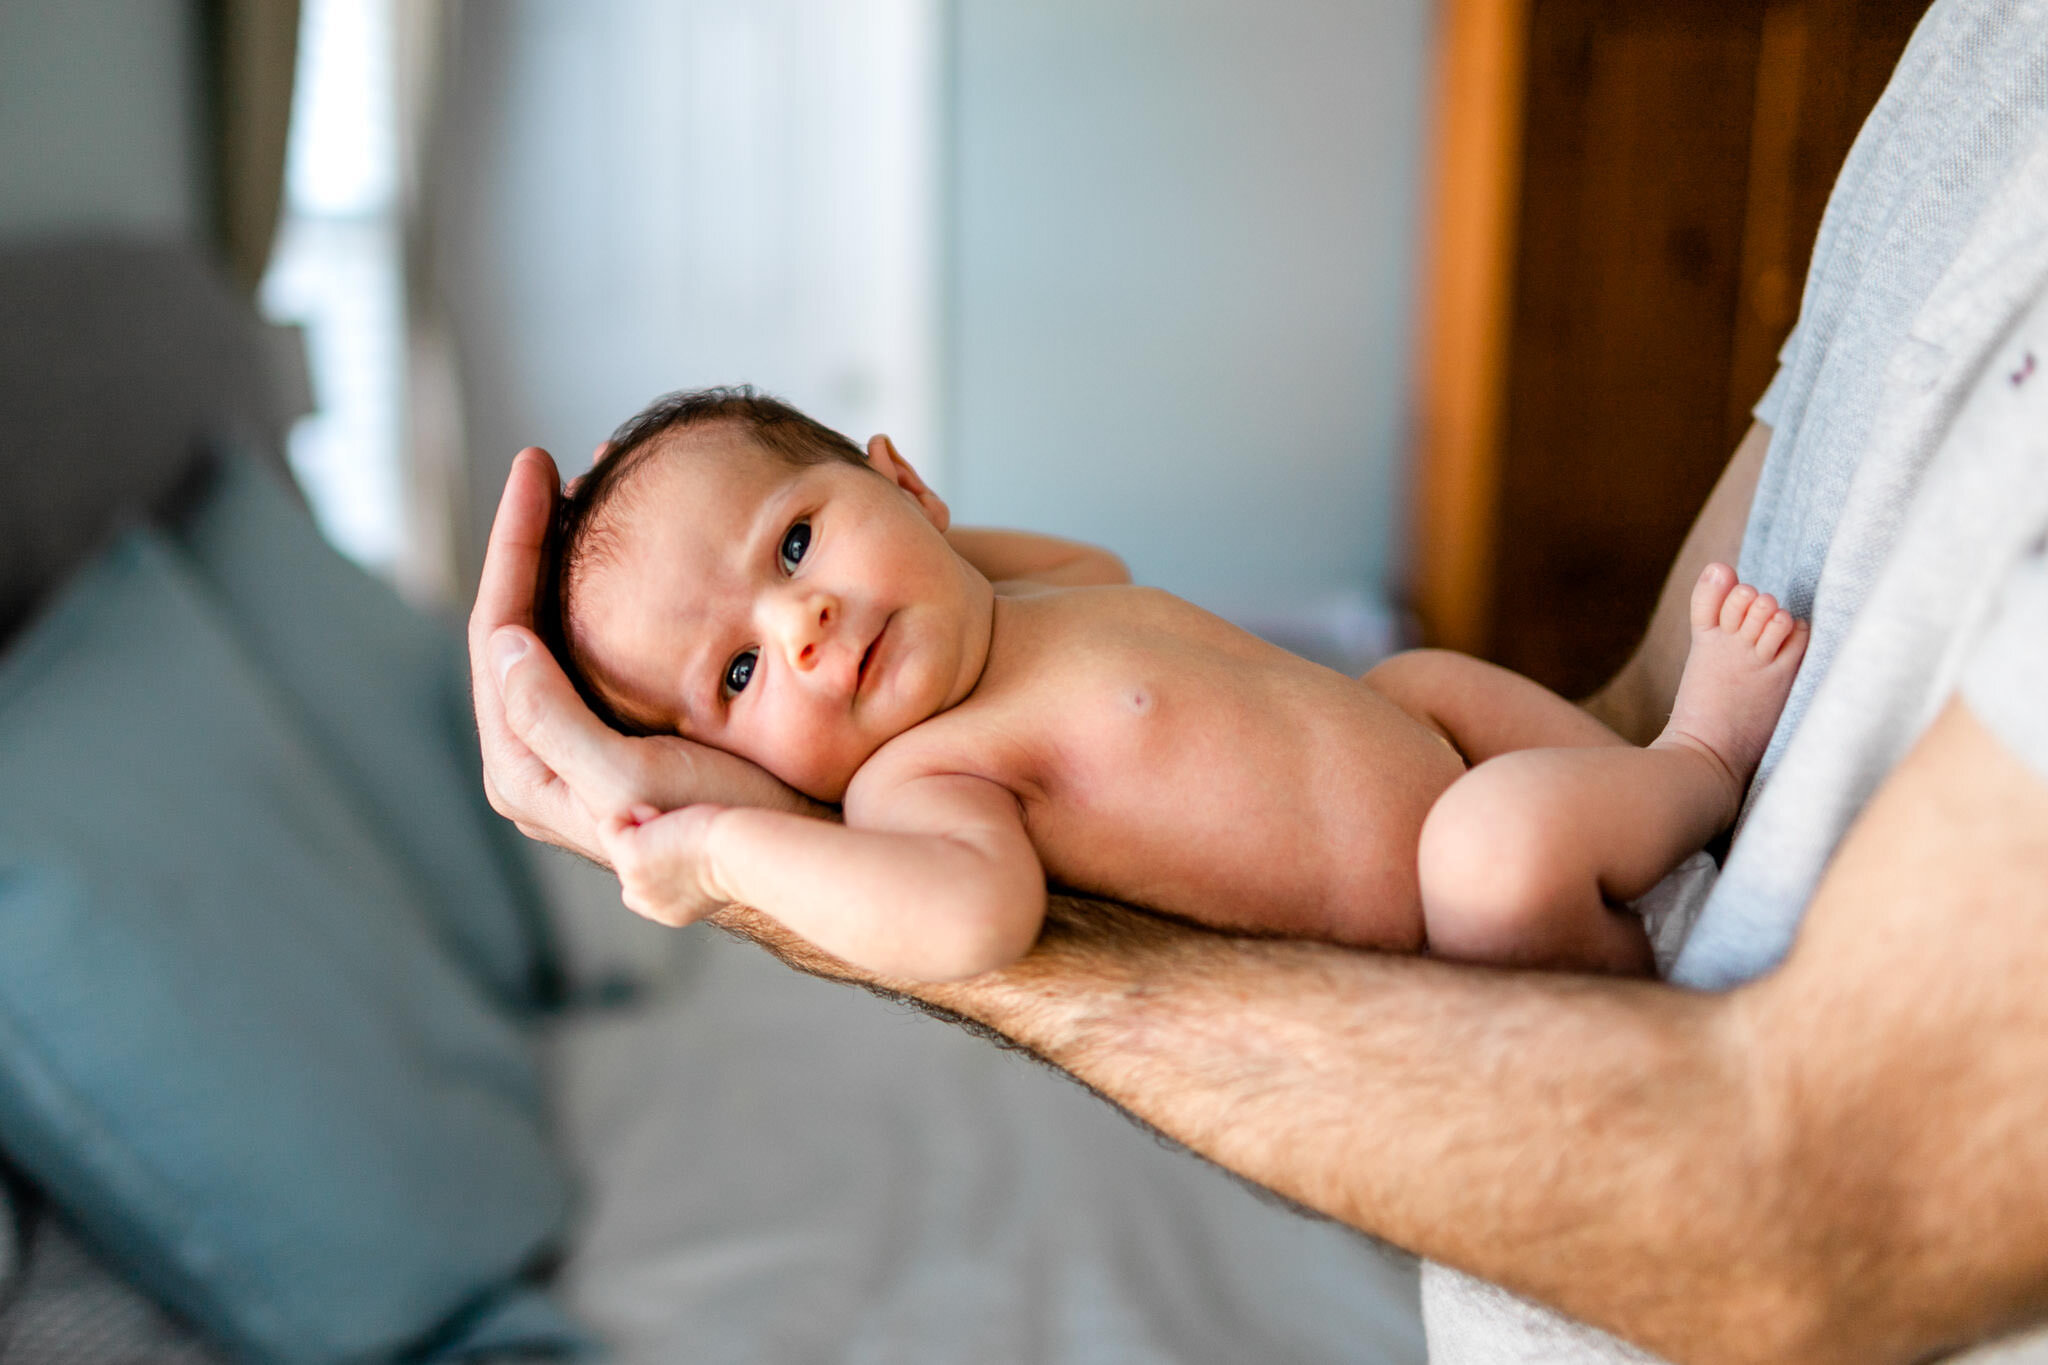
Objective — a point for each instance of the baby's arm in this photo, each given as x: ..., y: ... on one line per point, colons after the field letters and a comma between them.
x: 933, y: 879
x: 1482, y: 708
x: 1014, y: 556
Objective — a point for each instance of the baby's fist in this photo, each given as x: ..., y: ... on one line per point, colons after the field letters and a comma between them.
x: 663, y: 873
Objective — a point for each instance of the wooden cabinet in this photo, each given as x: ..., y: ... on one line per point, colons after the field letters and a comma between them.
x: 1624, y: 198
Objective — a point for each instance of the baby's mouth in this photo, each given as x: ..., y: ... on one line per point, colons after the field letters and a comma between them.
x: 867, y: 657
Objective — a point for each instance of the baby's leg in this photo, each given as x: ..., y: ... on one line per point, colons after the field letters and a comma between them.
x: 1482, y: 708
x: 1525, y: 857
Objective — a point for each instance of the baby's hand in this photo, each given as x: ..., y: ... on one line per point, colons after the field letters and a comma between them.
x: 660, y: 860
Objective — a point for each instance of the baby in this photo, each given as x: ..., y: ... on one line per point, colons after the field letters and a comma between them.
x: 992, y: 708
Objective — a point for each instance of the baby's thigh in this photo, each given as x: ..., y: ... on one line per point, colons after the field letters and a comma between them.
x: 1485, y: 709
x: 1509, y: 868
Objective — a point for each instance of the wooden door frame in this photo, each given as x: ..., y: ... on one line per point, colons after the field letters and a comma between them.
x: 1468, y: 248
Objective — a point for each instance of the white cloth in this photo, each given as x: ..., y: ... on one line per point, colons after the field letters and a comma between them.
x: 1671, y: 907
x: 1903, y: 508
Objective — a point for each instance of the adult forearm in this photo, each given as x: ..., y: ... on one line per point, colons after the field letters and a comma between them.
x: 1902, y: 1045
x: 1583, y: 1141
x: 1588, y: 1143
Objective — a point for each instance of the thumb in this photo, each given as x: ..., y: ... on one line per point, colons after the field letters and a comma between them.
x: 543, y: 710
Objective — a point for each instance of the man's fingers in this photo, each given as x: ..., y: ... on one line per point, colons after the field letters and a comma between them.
x: 511, y: 577
x: 523, y: 786
x: 543, y: 710
x: 505, y: 597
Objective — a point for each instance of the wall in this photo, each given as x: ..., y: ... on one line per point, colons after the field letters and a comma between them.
x: 650, y: 195
x: 1179, y: 284
x: 100, y: 117
x: 1173, y: 281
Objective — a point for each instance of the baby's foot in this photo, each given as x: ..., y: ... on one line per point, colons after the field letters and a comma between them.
x: 1745, y: 651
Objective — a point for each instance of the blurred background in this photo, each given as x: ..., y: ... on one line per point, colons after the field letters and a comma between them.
x: 1356, y: 322
x: 1136, y: 272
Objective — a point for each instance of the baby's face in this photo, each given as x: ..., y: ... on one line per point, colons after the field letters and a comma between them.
x: 800, y: 618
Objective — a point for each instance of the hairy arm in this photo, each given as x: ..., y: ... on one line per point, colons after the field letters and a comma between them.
x: 1845, y: 1161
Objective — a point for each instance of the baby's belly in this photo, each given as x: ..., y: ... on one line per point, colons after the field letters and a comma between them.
x: 1293, y: 811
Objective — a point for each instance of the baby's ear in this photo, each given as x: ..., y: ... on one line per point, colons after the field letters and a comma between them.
x: 886, y: 461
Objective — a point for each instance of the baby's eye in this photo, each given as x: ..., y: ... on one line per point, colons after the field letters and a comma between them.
x: 795, y: 541
x: 740, y: 672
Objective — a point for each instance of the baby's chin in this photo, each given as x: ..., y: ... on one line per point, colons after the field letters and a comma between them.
x: 828, y: 787
x: 824, y: 790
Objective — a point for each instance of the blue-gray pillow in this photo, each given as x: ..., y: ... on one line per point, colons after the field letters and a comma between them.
x: 383, y: 693
x: 230, y: 1046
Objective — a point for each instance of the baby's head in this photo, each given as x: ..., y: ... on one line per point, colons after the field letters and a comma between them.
x: 739, y: 574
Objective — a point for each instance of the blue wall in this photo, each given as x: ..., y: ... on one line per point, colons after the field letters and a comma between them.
x: 1179, y: 283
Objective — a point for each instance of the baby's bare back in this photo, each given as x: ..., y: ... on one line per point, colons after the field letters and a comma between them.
x: 1164, y: 757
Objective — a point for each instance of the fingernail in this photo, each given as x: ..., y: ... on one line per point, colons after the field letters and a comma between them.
x: 507, y: 648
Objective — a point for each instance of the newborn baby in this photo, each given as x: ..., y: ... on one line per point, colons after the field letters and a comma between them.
x: 992, y: 708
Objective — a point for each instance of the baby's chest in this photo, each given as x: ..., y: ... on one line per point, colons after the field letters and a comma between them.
x: 1126, y: 739
x: 1087, y: 727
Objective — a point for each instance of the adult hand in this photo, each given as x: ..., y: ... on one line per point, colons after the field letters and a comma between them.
x: 550, y: 765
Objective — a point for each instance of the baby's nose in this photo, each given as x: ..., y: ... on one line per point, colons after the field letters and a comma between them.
x: 813, y: 617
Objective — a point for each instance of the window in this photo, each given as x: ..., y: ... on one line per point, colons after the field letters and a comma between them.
x: 337, y: 270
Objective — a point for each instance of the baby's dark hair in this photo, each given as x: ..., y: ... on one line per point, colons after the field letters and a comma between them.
x: 585, y: 529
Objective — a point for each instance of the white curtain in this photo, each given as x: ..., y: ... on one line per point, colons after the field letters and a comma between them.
x: 435, y: 548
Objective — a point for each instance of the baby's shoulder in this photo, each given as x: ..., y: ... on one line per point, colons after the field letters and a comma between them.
x: 1068, y: 670
x: 968, y: 740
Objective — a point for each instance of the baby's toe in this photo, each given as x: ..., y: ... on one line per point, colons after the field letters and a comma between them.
x: 1736, y: 607
x: 1709, y: 593
x: 1758, y: 616
x: 1777, y: 630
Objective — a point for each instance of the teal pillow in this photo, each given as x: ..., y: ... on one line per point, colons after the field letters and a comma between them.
x: 382, y: 693
x: 230, y: 1046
